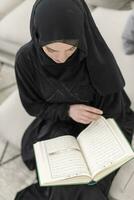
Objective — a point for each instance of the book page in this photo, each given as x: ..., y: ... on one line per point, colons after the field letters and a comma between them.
x: 120, y: 136
x: 100, y: 146
x: 41, y: 163
x: 64, y: 157
x: 60, y: 143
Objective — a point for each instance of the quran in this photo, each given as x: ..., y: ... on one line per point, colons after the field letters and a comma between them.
x: 97, y: 151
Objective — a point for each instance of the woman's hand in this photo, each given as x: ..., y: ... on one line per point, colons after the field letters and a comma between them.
x: 84, y: 114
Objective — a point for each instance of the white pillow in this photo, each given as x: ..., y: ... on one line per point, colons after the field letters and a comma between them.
x: 15, y: 27
x: 7, y: 5
x: 112, y: 4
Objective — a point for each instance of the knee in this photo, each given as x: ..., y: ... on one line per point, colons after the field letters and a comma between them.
x: 85, y: 192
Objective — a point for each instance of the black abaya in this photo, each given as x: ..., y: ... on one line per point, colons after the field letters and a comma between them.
x: 98, y: 191
x: 47, y: 90
x: 55, y: 122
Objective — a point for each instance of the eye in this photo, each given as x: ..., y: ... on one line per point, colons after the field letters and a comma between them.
x: 50, y: 50
x: 73, y: 48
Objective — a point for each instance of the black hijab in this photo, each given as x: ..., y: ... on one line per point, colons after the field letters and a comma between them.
x: 64, y: 20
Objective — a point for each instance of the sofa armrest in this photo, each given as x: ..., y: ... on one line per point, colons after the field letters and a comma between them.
x: 123, y: 183
x: 13, y: 119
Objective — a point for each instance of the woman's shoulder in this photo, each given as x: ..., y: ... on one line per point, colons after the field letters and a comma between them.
x: 25, y: 52
x: 24, y: 59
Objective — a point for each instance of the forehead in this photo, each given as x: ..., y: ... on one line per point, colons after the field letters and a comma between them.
x: 59, y: 45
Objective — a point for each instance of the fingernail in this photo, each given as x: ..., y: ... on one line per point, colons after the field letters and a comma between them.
x: 101, y: 112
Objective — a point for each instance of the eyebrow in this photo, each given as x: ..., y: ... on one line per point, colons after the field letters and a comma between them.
x: 57, y: 50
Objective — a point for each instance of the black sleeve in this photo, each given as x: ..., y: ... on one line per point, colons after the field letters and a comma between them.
x: 117, y: 105
x: 30, y: 97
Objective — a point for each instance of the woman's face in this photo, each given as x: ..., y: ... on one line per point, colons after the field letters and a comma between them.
x: 59, y: 51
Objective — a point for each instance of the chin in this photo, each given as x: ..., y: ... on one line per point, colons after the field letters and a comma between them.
x: 58, y: 61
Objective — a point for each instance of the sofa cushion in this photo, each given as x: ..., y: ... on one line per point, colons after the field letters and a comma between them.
x: 7, y: 77
x: 111, y: 24
x: 113, y: 4
x: 13, y: 114
x: 7, y: 5
x: 123, y: 184
x: 14, y: 27
x: 7, y: 58
x: 90, y: 6
x: 128, y: 35
x: 9, y: 47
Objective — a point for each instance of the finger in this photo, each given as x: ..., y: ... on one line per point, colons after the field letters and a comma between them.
x: 85, y: 120
x: 92, y: 109
x: 95, y: 117
x: 90, y: 115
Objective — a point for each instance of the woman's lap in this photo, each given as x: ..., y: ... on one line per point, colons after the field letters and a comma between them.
x: 41, y: 130
x: 77, y: 192
x: 97, y: 191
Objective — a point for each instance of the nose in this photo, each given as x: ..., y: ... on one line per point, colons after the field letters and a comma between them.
x: 61, y: 58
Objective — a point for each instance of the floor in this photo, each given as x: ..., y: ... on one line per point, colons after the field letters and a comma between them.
x: 14, y: 175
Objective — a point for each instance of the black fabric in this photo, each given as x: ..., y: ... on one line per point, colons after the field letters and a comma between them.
x: 72, y: 19
x: 98, y: 191
x: 47, y: 89
x: 58, y: 95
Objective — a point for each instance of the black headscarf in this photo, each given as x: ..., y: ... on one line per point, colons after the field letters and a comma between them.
x: 55, y: 20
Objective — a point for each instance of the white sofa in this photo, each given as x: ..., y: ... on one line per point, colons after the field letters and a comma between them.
x: 14, y: 27
x: 111, y: 24
x: 14, y: 119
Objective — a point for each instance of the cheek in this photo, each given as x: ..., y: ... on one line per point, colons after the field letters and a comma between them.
x: 55, y: 55
x: 49, y: 54
x: 70, y: 53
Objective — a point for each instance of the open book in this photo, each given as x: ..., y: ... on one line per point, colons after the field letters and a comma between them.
x: 98, y: 150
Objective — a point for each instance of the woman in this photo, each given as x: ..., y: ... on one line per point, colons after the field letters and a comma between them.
x: 68, y: 77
